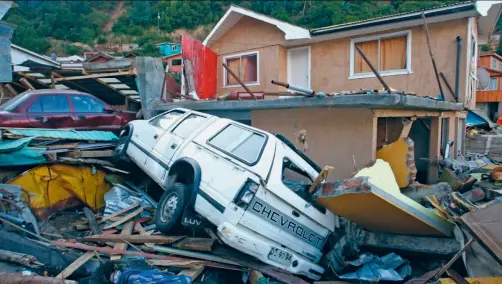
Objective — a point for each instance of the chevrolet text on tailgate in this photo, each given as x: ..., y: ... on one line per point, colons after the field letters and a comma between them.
x: 252, y: 185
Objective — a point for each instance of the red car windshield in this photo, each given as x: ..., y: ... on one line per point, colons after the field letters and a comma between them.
x: 14, y: 102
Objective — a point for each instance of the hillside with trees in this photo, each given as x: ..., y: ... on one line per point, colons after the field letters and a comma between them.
x: 71, y: 27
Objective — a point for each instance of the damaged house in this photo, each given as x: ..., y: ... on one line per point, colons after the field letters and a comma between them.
x: 347, y: 130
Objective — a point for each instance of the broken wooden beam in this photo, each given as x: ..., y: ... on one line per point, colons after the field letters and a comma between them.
x: 126, y: 231
x: 111, y: 251
x: 121, y: 211
x: 26, y: 84
x: 179, y: 264
x: 193, y: 254
x: 124, y: 219
x: 16, y: 278
x: 197, y: 244
x: 19, y: 258
x: 134, y: 239
x: 75, y: 265
x: 192, y: 272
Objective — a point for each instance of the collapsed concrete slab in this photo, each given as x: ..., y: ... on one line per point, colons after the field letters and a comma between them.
x: 373, y: 200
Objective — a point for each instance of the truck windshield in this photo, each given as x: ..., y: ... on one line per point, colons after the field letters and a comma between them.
x: 11, y: 104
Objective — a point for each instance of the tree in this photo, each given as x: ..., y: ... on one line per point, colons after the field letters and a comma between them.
x: 141, y: 13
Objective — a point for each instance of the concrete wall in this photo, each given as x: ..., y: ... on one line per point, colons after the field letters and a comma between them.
x: 331, y: 61
x: 334, y: 136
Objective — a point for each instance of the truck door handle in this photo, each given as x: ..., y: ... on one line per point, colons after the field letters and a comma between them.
x: 81, y: 117
x: 296, y: 214
x: 174, y: 146
x: 155, y: 136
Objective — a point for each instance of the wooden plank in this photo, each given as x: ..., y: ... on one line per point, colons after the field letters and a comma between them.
x: 133, y: 239
x: 193, y: 254
x: 70, y: 82
x: 180, y: 264
x: 106, y: 218
x: 197, y: 244
x: 90, y: 76
x: 16, y: 278
x: 111, y: 251
x: 75, y: 265
x: 11, y: 90
x: 192, y: 272
x: 89, y: 154
x: 126, y: 231
x: 124, y: 219
x: 405, y: 113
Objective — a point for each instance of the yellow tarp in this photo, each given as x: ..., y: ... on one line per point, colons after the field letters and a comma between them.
x: 57, y: 187
x: 400, y: 160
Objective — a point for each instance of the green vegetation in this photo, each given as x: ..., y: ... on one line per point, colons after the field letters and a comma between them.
x: 39, y: 23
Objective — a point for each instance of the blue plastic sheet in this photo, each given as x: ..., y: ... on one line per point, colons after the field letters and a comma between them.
x: 17, y: 153
x: 372, y: 268
x: 134, y: 276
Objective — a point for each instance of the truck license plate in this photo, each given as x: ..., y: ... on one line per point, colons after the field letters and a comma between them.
x: 280, y: 256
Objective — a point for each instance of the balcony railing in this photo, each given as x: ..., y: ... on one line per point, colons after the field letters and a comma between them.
x: 489, y: 96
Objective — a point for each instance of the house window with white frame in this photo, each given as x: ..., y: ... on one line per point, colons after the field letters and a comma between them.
x: 494, y: 63
x: 390, y: 54
x: 493, y: 84
x: 245, y: 66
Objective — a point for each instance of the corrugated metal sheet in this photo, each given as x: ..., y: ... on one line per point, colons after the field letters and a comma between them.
x: 62, y: 134
x: 204, y: 62
x: 6, y: 31
x: 7, y: 146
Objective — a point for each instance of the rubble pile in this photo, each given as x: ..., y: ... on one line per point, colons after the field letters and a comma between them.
x: 77, y: 216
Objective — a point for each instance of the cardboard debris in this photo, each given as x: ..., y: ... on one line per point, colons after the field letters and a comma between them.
x: 373, y: 200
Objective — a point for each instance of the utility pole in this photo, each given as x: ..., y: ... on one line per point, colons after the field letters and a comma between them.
x: 158, y: 21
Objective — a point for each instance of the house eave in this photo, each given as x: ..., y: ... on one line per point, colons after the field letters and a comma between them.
x: 457, y: 10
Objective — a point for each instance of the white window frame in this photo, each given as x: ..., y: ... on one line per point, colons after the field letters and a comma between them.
x: 225, y: 72
x: 494, y: 64
x: 353, y: 51
x: 289, y: 63
x: 493, y: 88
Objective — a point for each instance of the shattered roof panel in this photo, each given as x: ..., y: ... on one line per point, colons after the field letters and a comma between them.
x: 67, y: 134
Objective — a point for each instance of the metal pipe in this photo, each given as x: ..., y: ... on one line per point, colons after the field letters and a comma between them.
x: 457, y: 70
x: 294, y: 87
x: 387, y: 88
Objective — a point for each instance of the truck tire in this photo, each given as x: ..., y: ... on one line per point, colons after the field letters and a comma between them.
x: 119, y: 153
x: 171, y: 206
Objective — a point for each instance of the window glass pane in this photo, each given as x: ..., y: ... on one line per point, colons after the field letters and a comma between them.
x: 176, y: 62
x: 87, y: 104
x: 249, y: 69
x: 393, y: 53
x: 55, y: 104
x: 243, y: 143
x: 370, y: 49
x: 493, y: 84
x: 188, y: 125
x: 168, y: 119
x: 494, y: 63
x: 233, y: 64
x: 36, y: 106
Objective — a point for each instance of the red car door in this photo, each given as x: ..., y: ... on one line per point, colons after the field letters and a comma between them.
x: 51, y: 111
x: 93, y: 114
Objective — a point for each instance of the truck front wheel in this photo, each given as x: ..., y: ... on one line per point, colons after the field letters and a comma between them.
x: 171, y: 206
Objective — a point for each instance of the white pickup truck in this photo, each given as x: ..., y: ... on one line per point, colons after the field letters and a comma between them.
x: 251, y: 184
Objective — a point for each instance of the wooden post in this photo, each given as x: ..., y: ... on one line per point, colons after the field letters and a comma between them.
x: 373, y: 69
x: 53, y: 82
x: 11, y: 90
x: 432, y: 56
x: 434, y: 149
x: 240, y: 82
x: 26, y: 84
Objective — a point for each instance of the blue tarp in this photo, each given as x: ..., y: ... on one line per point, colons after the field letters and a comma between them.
x: 17, y: 153
x: 66, y: 134
x: 476, y: 119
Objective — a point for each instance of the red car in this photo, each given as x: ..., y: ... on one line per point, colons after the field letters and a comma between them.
x: 62, y: 109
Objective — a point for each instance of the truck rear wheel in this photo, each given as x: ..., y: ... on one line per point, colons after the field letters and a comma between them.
x: 171, y: 206
x: 121, y: 148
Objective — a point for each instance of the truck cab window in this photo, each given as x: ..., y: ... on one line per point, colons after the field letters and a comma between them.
x: 298, y: 181
x: 166, y: 120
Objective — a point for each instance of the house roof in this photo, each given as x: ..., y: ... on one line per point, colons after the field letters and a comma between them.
x: 491, y: 53
x: 489, y: 10
x: 38, y: 57
x: 235, y: 13
x: 436, y: 11
x: 99, y: 54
